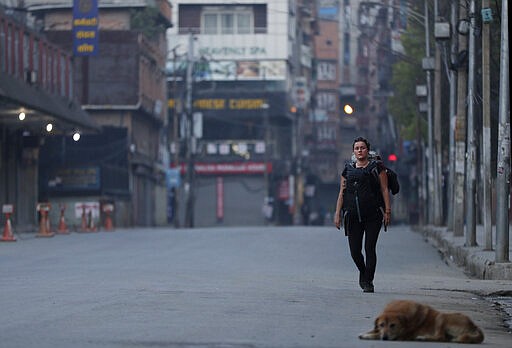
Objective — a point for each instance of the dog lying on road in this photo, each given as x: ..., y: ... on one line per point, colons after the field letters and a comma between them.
x: 407, y: 321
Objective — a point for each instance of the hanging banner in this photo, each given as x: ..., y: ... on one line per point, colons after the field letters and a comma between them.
x: 85, y: 27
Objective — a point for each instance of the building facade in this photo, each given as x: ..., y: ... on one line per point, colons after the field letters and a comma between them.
x: 37, y: 103
x: 122, y: 86
x: 241, y: 92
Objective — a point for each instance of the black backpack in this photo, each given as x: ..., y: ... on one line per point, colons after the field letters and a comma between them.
x: 393, y: 184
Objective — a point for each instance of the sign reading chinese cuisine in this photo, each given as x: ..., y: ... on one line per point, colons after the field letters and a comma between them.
x: 85, y: 27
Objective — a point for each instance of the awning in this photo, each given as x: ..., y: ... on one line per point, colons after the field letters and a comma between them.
x: 40, y: 107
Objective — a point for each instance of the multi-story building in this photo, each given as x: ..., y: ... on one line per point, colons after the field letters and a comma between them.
x: 374, y: 63
x: 354, y: 51
x: 241, y: 88
x: 122, y: 85
x: 322, y: 130
x: 36, y: 103
x: 379, y: 44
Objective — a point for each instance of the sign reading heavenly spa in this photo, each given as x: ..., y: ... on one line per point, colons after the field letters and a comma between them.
x: 85, y: 27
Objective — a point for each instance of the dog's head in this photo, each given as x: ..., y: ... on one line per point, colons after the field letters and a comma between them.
x: 390, y: 326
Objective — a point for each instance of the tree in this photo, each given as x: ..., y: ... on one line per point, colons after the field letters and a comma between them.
x: 407, y: 73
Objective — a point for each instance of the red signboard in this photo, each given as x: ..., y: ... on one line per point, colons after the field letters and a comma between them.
x: 284, y: 190
x: 229, y: 168
x: 220, y: 198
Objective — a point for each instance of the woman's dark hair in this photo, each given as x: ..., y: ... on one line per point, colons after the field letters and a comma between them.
x: 364, y: 140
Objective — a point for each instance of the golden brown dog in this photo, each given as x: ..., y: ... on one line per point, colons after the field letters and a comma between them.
x: 407, y: 320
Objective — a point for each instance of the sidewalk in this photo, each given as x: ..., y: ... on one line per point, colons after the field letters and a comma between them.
x: 477, y: 262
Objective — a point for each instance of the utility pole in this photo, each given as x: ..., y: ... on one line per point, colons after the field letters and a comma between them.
x: 471, y: 139
x: 422, y: 182
x: 454, y: 15
x: 432, y: 194
x: 486, y: 133
x: 460, y: 134
x: 436, y: 149
x: 503, y: 168
x: 266, y: 136
x: 175, y: 136
x: 189, y: 184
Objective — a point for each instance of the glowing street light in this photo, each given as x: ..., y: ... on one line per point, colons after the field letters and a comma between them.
x: 348, y: 109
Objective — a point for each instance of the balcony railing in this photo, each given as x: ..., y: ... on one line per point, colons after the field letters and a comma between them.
x: 29, y: 57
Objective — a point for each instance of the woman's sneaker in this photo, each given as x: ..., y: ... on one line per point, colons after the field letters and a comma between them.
x: 362, y: 282
x: 369, y: 287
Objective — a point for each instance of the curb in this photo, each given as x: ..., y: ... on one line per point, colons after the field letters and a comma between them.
x: 478, y: 263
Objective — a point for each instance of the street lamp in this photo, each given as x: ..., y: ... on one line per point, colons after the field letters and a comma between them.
x: 348, y: 109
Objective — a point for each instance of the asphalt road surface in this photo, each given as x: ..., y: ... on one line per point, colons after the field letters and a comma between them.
x: 224, y: 288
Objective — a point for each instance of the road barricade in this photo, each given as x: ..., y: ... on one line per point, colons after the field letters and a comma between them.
x: 88, y: 212
x: 44, y: 221
x: 107, y: 210
x: 7, y: 210
x: 62, y: 228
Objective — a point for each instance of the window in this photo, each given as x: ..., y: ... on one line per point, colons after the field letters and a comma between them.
x: 62, y: 74
x: 9, y: 50
x: 210, y: 24
x: 244, y: 23
x: 17, y: 43
x: 35, y: 56
x: 26, y: 52
x: 225, y: 20
x: 44, y: 67
x: 227, y: 23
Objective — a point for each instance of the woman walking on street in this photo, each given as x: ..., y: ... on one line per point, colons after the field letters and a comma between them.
x: 363, y: 206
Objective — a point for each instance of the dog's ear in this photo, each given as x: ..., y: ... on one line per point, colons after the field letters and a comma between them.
x: 372, y: 334
x: 376, y: 323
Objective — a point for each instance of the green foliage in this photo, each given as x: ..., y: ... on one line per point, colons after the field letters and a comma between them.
x: 147, y: 21
x: 407, y: 73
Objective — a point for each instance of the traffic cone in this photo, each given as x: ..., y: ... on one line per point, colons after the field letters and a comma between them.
x: 44, y: 224
x: 109, y: 226
x: 8, y: 236
x: 62, y: 228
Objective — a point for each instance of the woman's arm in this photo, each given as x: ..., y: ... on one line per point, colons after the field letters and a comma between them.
x: 339, y: 204
x: 383, y: 178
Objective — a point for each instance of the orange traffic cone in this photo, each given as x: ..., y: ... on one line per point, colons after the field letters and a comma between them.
x: 62, y: 229
x: 8, y: 236
x: 107, y: 209
x: 109, y: 226
x: 44, y: 223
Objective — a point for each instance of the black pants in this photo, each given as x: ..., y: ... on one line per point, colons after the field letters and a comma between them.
x: 369, y: 227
